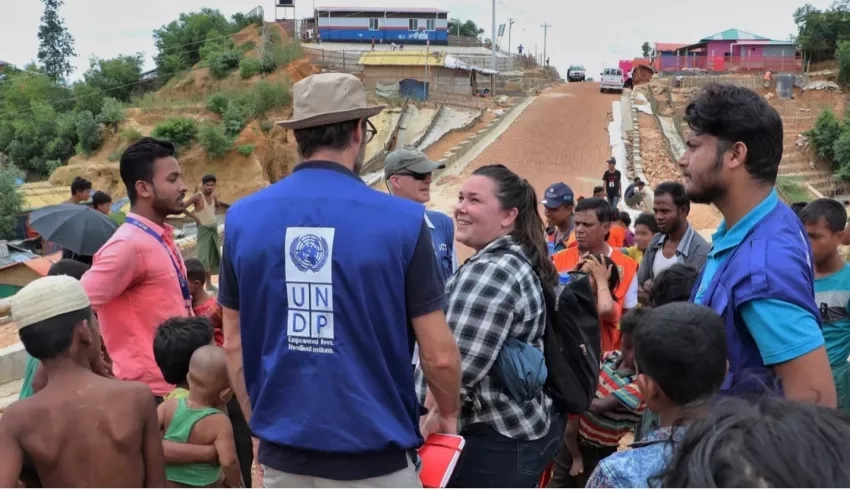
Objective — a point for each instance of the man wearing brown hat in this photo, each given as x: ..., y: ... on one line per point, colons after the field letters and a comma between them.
x: 335, y: 282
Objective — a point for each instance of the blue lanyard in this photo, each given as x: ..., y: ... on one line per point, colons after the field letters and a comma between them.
x: 181, y: 278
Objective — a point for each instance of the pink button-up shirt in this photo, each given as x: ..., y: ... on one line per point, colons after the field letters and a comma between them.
x: 134, y: 287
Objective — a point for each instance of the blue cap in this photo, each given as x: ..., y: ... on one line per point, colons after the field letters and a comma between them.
x: 564, y: 278
x: 558, y: 194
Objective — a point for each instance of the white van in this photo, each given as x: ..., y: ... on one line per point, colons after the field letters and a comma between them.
x: 612, y: 79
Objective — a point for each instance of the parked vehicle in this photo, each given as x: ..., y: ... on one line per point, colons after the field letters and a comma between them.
x: 612, y: 80
x: 575, y: 73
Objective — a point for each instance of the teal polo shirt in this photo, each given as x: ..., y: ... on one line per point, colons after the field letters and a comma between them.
x: 782, y: 331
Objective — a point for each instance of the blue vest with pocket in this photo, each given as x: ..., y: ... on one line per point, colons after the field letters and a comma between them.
x: 443, y: 238
x: 763, y: 266
x: 321, y: 261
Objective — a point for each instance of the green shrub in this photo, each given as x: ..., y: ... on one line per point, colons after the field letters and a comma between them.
x: 266, y: 126
x: 245, y: 150
x: 87, y: 132
x: 111, y: 113
x: 214, y: 139
x: 248, y: 67
x: 130, y: 135
x: 221, y: 63
x: 286, y: 53
x: 842, y: 55
x: 841, y: 151
x: 824, y: 135
x: 235, y: 118
x: 217, y: 103
x: 179, y: 130
x: 118, y: 217
x: 248, y: 46
x: 116, y: 155
x: 266, y: 96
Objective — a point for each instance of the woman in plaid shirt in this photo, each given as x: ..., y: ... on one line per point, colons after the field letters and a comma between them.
x: 494, y: 296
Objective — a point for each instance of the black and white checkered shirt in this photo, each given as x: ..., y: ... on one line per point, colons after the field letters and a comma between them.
x: 494, y: 296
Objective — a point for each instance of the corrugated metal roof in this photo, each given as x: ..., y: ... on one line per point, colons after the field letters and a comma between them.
x: 761, y: 42
x: 733, y: 35
x: 16, y: 258
x: 39, y: 194
x: 402, y: 58
x: 421, y: 10
x: 661, y: 47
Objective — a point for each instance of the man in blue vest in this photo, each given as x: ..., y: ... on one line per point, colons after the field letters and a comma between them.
x: 407, y: 172
x: 334, y: 283
x: 758, y: 275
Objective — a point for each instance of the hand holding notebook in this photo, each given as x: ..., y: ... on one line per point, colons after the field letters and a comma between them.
x: 439, y: 457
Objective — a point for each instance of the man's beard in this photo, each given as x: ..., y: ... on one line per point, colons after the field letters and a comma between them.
x: 361, y: 159
x: 713, y: 190
x: 164, y: 207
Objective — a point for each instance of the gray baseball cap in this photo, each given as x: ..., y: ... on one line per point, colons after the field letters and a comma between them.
x: 409, y: 160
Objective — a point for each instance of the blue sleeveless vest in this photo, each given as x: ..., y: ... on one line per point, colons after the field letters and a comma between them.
x: 321, y: 260
x: 443, y: 238
x: 747, y: 275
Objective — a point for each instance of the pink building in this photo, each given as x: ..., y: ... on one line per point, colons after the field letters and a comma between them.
x: 735, y: 50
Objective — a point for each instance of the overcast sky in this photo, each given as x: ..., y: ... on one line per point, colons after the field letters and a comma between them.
x: 593, y: 33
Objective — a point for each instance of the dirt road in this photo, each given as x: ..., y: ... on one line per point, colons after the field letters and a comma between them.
x: 562, y: 136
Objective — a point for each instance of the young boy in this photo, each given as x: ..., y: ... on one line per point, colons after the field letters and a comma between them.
x: 175, y: 342
x: 680, y: 353
x: 825, y: 220
x: 202, y: 303
x: 200, y: 418
x: 81, y: 429
x: 613, y: 413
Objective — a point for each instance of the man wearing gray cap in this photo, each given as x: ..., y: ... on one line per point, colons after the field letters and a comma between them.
x: 408, y: 175
x: 335, y: 282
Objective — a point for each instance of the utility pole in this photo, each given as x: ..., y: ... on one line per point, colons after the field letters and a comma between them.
x: 510, y: 24
x: 545, y: 30
x: 493, y: 46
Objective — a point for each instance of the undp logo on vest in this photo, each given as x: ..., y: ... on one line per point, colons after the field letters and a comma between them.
x: 309, y: 289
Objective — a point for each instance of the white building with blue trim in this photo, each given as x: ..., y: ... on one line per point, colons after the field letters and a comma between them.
x: 409, y: 25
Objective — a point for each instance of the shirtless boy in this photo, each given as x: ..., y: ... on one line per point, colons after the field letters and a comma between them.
x: 81, y: 429
x: 200, y: 418
x: 208, y: 244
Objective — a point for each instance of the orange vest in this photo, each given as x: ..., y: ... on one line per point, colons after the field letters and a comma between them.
x: 617, y: 237
x: 566, y: 260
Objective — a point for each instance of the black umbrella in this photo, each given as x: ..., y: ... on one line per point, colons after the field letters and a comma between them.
x: 74, y: 227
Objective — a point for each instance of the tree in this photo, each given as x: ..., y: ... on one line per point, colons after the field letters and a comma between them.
x: 179, y: 43
x: 56, y: 45
x: 646, y: 49
x: 11, y: 202
x: 116, y: 76
x: 466, y: 29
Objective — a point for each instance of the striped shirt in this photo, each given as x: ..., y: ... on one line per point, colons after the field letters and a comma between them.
x: 606, y: 429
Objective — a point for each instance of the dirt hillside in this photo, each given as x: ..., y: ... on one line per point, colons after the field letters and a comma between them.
x: 238, y: 175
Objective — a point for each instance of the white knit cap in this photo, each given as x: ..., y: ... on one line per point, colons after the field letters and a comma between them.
x: 47, y: 297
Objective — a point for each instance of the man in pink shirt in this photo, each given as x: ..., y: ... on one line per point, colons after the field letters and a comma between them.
x: 138, y: 278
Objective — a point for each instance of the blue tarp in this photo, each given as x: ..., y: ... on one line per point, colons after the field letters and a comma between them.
x: 413, y: 89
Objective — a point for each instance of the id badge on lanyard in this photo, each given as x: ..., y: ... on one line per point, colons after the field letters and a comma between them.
x: 181, y: 278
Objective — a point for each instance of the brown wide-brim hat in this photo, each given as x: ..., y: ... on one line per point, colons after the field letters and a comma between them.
x: 328, y: 98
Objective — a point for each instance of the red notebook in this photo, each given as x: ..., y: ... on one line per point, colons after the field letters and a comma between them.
x: 439, y: 457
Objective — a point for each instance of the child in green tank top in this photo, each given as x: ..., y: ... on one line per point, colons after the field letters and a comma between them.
x: 200, y: 418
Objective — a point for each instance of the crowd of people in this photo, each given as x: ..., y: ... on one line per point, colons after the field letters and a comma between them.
x: 344, y: 332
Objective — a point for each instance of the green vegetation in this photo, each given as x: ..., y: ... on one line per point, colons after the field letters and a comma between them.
x: 55, y: 43
x: 111, y: 113
x: 792, y: 189
x: 830, y: 139
x: 249, y: 67
x: 88, y: 132
x: 214, y: 139
x: 245, y: 150
x: 130, y: 135
x: 466, y: 29
x: 11, y: 201
x: 179, y: 130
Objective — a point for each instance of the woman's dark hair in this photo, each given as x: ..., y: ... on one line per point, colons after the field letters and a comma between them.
x: 100, y: 197
x: 625, y: 218
x: 69, y: 267
x: 765, y: 442
x: 137, y: 162
x: 647, y: 220
x: 333, y: 136
x: 735, y: 114
x: 513, y: 191
x: 674, y: 284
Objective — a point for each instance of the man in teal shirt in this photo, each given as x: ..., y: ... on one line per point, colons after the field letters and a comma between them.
x: 732, y: 159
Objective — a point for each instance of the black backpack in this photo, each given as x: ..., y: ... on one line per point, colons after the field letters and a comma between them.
x: 572, y: 345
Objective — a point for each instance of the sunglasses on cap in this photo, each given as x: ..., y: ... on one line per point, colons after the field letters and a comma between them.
x: 414, y: 175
